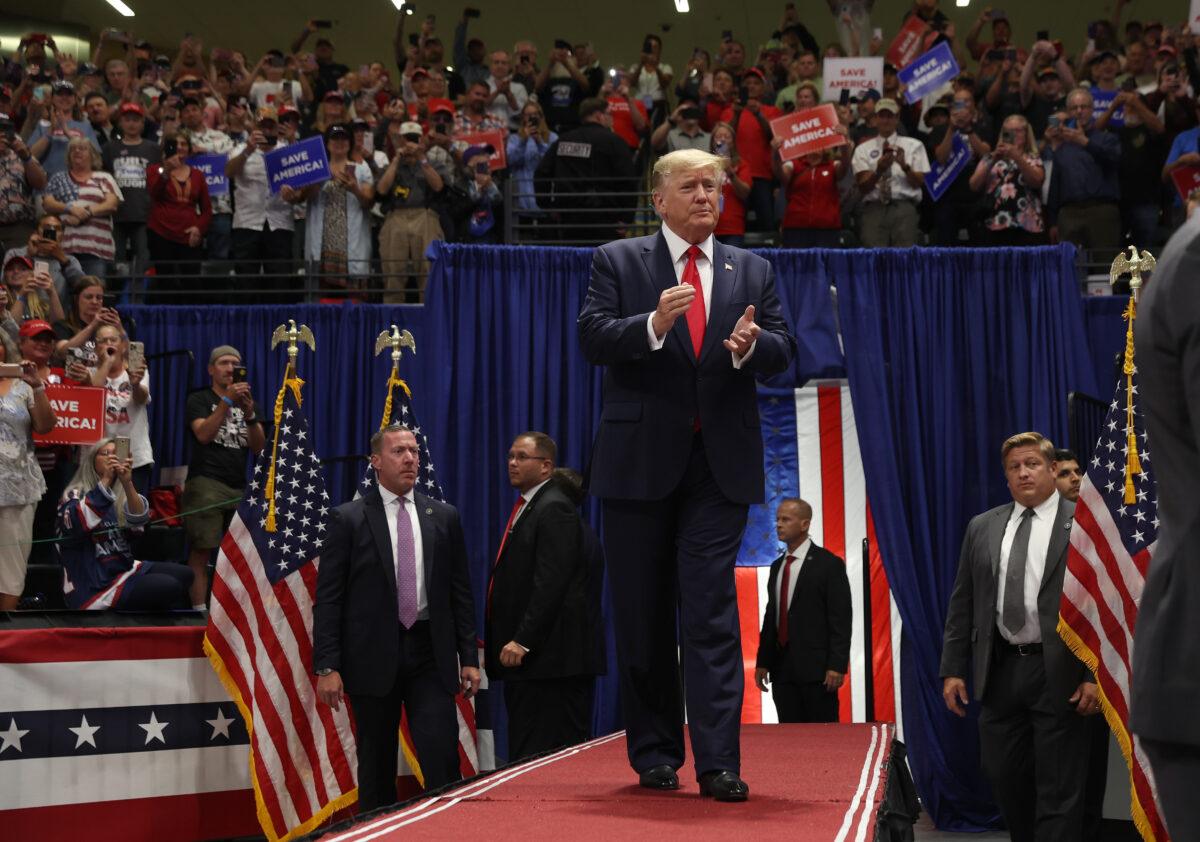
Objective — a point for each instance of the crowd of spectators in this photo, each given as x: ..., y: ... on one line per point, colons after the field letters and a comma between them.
x: 99, y: 184
x: 1082, y: 147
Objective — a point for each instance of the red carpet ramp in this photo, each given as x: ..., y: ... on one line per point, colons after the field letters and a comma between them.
x: 807, y: 782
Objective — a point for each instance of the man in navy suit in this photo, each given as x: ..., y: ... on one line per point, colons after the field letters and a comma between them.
x: 804, y: 646
x: 683, y: 325
x: 394, y: 621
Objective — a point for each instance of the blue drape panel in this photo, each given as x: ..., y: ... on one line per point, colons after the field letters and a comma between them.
x: 1104, y: 322
x: 344, y: 384
x: 948, y: 353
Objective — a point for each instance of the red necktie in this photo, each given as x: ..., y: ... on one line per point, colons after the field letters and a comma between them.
x: 696, y: 317
x: 512, y: 516
x: 782, y: 631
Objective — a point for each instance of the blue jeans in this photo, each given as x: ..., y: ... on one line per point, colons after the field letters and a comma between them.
x: 219, y: 237
x: 92, y: 265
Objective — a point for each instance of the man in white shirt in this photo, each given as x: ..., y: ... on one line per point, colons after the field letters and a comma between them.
x: 263, y: 221
x: 1032, y: 691
x: 890, y: 171
x: 804, y: 647
x: 507, y: 97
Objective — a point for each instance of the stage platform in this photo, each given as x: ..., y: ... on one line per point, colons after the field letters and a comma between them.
x: 807, y: 782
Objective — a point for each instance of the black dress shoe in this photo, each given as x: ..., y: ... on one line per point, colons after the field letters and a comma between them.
x: 723, y: 786
x: 659, y: 777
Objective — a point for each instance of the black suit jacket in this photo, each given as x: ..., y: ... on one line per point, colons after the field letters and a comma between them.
x: 651, y: 398
x: 356, y: 623
x: 819, y: 620
x: 971, y: 620
x: 541, y: 595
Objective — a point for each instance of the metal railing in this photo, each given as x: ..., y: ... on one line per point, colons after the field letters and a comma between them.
x: 569, y: 215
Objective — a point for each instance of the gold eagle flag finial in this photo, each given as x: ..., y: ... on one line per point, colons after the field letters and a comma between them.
x: 293, y: 336
x: 394, y: 339
x: 1134, y: 266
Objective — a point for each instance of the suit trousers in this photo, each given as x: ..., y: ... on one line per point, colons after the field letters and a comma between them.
x: 1034, y: 749
x: 432, y: 721
x: 804, y: 701
x: 671, y: 573
x: 548, y: 713
x: 1177, y: 777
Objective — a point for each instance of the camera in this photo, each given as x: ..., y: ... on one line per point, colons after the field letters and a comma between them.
x: 471, y: 13
x: 239, y: 374
x: 1043, y: 35
x: 692, y: 113
x: 323, y: 24
x: 647, y: 46
x: 1129, y: 85
x: 50, y: 233
x: 7, y: 129
x: 481, y: 167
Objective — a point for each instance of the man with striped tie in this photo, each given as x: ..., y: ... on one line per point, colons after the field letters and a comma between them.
x: 804, y: 646
x: 394, y: 621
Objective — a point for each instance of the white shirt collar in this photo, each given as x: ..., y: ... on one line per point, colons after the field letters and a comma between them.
x: 531, y: 493
x: 388, y: 497
x: 801, y: 551
x: 1046, y: 510
x: 678, y: 246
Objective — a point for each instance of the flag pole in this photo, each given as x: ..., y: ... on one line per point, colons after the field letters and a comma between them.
x: 1135, y: 264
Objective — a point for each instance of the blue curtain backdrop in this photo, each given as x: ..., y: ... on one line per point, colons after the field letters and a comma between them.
x: 947, y: 353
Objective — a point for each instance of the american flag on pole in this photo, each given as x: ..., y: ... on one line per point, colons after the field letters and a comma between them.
x: 259, y: 636
x: 1112, y: 543
x: 476, y: 749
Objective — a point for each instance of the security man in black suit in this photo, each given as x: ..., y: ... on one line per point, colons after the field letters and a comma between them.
x: 1001, y: 628
x: 394, y: 621
x: 804, y: 646
x: 539, y: 641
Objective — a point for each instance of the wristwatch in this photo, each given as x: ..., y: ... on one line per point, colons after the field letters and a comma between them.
x: 324, y: 672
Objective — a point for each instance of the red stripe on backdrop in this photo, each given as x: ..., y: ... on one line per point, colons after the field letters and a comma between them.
x: 211, y: 815
x: 833, y: 501
x: 40, y: 646
x: 746, y: 580
x: 881, y: 631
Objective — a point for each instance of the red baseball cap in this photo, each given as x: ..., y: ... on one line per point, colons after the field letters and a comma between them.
x: 35, y: 327
x: 19, y: 258
x: 754, y: 71
x: 131, y: 108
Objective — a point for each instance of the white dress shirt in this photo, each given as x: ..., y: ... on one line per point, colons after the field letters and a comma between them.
x: 1040, y: 526
x: 866, y: 157
x: 784, y: 601
x: 255, y: 201
x: 391, y: 505
x: 678, y: 247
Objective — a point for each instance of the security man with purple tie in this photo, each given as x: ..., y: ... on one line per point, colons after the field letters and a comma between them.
x: 394, y: 621
x: 683, y: 325
x: 804, y: 646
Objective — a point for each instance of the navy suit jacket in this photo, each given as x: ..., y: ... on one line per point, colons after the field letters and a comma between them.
x: 356, y: 621
x: 652, y: 398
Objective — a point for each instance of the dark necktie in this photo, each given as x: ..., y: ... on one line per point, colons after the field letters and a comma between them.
x: 512, y: 517
x: 1013, y: 612
x: 697, y: 319
x: 782, y: 630
x: 406, y: 567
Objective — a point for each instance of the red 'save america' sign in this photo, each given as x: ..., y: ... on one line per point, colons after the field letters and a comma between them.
x: 80, y: 413
x: 810, y: 130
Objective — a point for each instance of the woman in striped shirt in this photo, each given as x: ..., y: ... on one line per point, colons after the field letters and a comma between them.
x: 85, y: 199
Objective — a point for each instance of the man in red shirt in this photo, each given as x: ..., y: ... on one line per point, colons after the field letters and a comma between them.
x: 751, y: 121
x: 629, y: 116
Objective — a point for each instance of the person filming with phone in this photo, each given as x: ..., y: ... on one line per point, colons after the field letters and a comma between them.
x: 24, y: 409
x: 121, y: 371
x: 20, y: 176
x: 101, y: 511
x: 1084, y: 191
x: 225, y: 430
